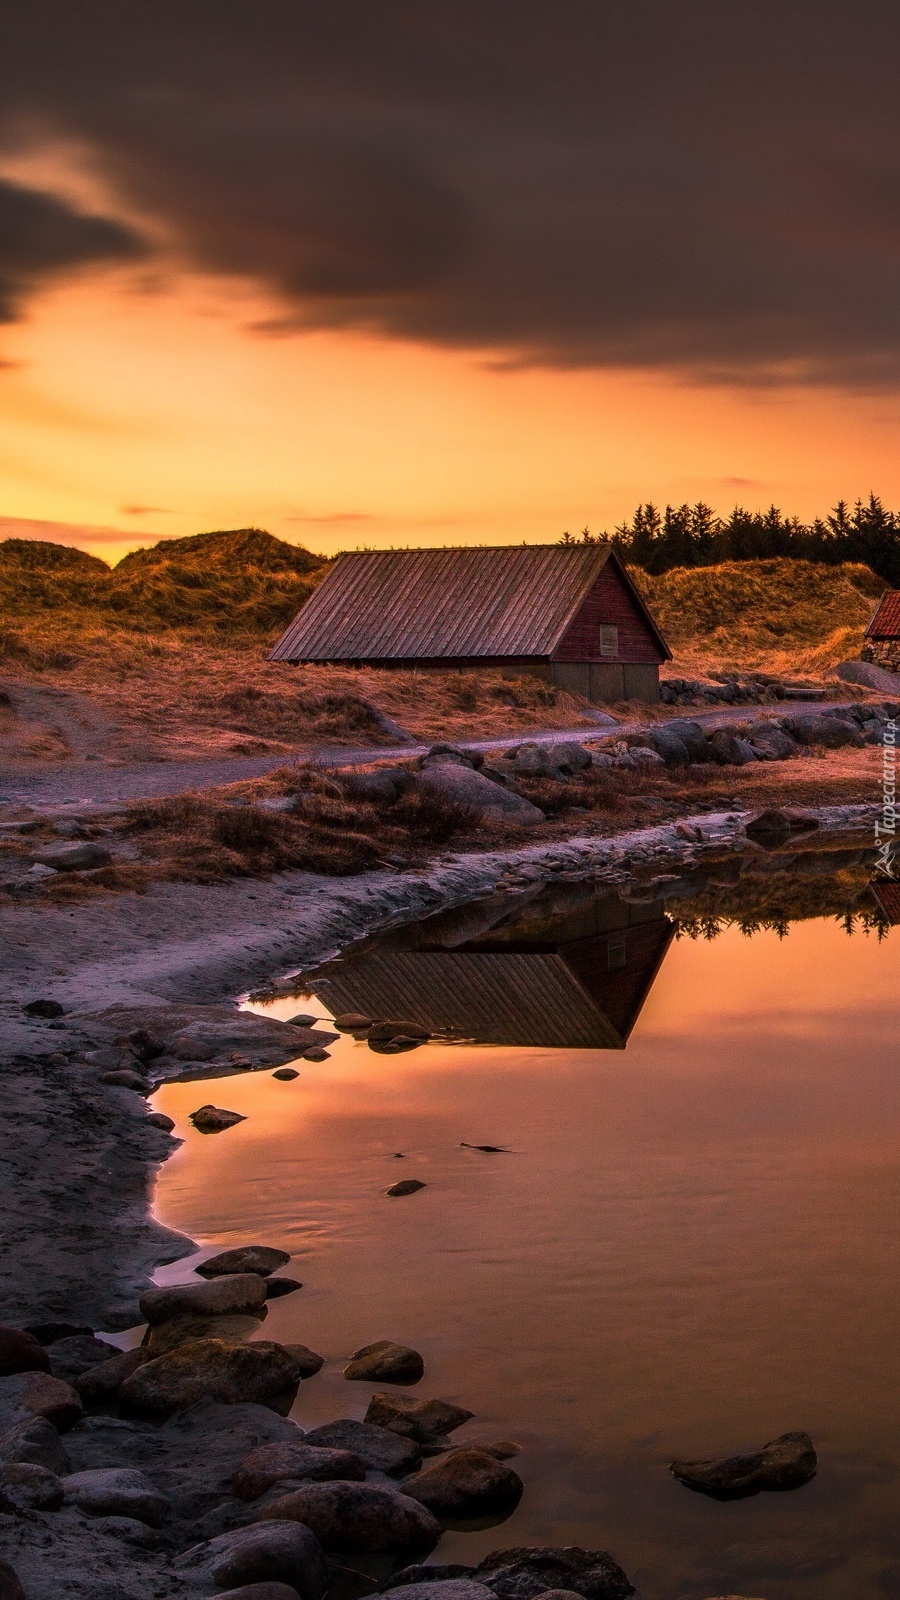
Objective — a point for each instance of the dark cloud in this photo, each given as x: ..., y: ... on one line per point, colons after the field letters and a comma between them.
x: 41, y: 235
x: 710, y: 187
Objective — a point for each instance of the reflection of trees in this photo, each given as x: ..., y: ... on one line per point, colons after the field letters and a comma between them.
x: 866, y: 920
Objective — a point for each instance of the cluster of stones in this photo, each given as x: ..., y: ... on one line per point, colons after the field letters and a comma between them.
x: 732, y: 690
x: 679, y: 742
x: 883, y: 652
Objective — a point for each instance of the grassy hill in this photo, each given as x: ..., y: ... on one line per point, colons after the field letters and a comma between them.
x: 781, y: 612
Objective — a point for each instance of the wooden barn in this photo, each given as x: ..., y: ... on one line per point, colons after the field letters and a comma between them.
x: 568, y: 613
x: 883, y: 633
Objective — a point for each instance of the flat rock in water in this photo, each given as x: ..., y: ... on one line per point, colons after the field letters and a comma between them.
x: 184, y: 1329
x: 466, y: 1484
x: 117, y: 1492
x: 270, y: 1463
x: 276, y: 1288
x: 386, y: 1362
x: 353, y: 1022
x: 405, y: 1186
x: 524, y: 1573
x: 259, y: 1258
x: 379, y: 1448
x: 21, y: 1352
x: 215, y: 1119
x: 241, y: 1291
x: 362, y: 1517
x: 286, y: 1074
x: 784, y: 1463
x: 306, y: 1359
x: 422, y: 1420
x: 214, y: 1369
x: 277, y: 1552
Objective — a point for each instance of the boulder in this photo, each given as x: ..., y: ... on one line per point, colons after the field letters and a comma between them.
x: 567, y: 757
x: 21, y: 1352
x: 72, y: 1356
x: 869, y: 675
x: 269, y: 1463
x: 73, y: 856
x: 523, y: 1574
x: 778, y: 825
x: 184, y: 1329
x: 276, y: 1552
x: 466, y: 1483
x: 830, y: 731
x: 422, y: 1420
x: 10, y: 1587
x: 214, y: 1369
x: 643, y: 756
x: 239, y: 1291
x: 260, y: 1591
x: 30, y: 1487
x: 773, y: 743
x: 308, y: 1362
x: 276, y: 1288
x: 386, y: 1362
x: 126, y: 1078
x: 453, y: 753
x: 491, y: 801
x: 259, y: 1258
x: 117, y: 1492
x: 405, y: 1186
x: 673, y: 750
x: 36, y: 1441
x: 446, y: 1589
x: 384, y: 1032
x: 691, y: 735
x: 365, y: 1517
x: 285, y: 1074
x: 784, y: 1463
x: 379, y: 1448
x: 380, y: 788
x: 100, y: 1383
x: 728, y: 750
x: 353, y: 1022
x: 434, y: 1572
x: 37, y: 1394
x: 158, y: 1119
x: 43, y: 1008
x: 214, y: 1119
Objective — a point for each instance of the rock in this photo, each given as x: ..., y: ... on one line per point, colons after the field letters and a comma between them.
x: 30, y: 1487
x: 102, y: 1382
x: 405, y: 1186
x: 259, y: 1258
x: 10, y: 1587
x: 558, y: 1594
x: 830, y: 731
x: 643, y: 756
x: 124, y: 1078
x: 423, y: 1420
x: 303, y: 1019
x: 784, y: 1463
x: 158, y: 1119
x: 353, y: 1022
x: 437, y: 1572
x: 44, y: 1008
x: 260, y: 1591
x: 212, y: 1119
x: 384, y: 1032
x: 35, y: 1441
x: 726, y: 749
x: 215, y: 1369
x: 72, y: 857
x: 117, y: 1492
x: 523, y: 1574
x: 269, y: 1463
x: 37, y: 1394
x: 466, y: 1483
x: 386, y: 1362
x: 306, y: 1359
x: 286, y: 1074
x: 277, y: 1552
x: 130, y: 1531
x: 185, y: 1329
x: 277, y: 1287
x: 691, y: 735
x: 380, y: 788
x: 21, y: 1352
x: 778, y: 824
x: 673, y: 750
x: 869, y: 675
x: 446, y: 1589
x: 772, y: 743
x: 379, y: 1448
x: 72, y: 1356
x: 238, y: 1291
x: 454, y: 754
x: 365, y: 1517
x: 317, y: 1054
x: 48, y: 1332
x: 491, y: 801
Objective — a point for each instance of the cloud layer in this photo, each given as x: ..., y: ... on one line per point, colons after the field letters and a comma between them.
x: 684, y: 183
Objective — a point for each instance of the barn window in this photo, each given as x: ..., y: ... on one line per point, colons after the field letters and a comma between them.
x: 615, y: 953
x: 609, y: 640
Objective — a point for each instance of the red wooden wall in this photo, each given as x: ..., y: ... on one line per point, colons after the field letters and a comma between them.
x: 608, y: 601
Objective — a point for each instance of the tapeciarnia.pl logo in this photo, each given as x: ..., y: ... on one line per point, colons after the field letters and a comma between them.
x: 886, y: 828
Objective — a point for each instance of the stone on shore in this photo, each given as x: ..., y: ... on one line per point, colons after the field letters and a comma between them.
x: 869, y: 674
x: 277, y: 1552
x: 73, y: 857
x: 423, y: 1420
x: 362, y: 1517
x: 445, y: 1589
x: 102, y: 1382
x: 379, y: 1448
x: 778, y: 824
x: 270, y: 1463
x: 306, y: 1359
x: 211, y: 1369
x: 240, y: 1292
x: 491, y: 801
x: 35, y: 1441
x: 466, y: 1483
x: 158, y: 1119
x: 10, y: 1587
x: 117, y: 1492
x: 259, y: 1258
x: 260, y: 1591
x: 405, y: 1186
x: 386, y: 1362
x: 29, y: 1487
x: 184, y: 1329
x: 525, y: 1573
x: 276, y: 1288
x: 72, y: 1356
x: 37, y: 1394
x: 20, y: 1352
x: 783, y: 1463
x: 214, y: 1119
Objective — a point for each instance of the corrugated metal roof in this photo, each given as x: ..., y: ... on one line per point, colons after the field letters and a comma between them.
x: 385, y: 605
x: 886, y: 622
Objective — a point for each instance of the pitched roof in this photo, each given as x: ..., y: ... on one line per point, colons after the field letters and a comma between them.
x: 885, y: 624
x: 512, y: 600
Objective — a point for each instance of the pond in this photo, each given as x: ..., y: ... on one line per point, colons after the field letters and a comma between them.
x: 688, y: 1245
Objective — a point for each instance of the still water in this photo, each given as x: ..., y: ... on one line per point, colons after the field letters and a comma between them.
x: 691, y: 1246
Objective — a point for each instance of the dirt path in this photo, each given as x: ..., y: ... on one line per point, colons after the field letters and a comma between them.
x: 45, y: 784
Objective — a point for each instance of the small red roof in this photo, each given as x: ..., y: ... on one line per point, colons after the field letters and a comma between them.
x: 887, y: 895
x: 885, y: 624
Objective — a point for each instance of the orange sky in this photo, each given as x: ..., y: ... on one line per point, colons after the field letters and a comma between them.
x: 124, y: 393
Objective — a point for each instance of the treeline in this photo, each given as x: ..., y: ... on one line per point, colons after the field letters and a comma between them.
x: 695, y: 536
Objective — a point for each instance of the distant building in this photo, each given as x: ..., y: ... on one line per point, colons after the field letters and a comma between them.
x: 883, y: 633
x: 568, y: 613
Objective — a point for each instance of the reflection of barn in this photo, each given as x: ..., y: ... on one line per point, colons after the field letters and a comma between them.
x: 886, y: 895
x: 584, y: 989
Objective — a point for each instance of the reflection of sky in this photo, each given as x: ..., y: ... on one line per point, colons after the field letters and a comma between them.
x: 692, y: 1247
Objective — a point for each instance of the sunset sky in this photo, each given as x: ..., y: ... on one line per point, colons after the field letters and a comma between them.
x: 380, y: 273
